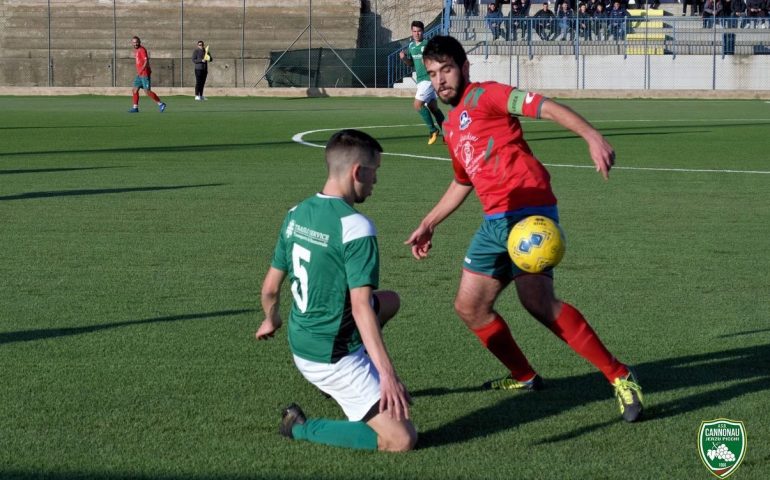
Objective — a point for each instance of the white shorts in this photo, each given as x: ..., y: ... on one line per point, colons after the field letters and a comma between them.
x: 353, y: 382
x: 425, y: 92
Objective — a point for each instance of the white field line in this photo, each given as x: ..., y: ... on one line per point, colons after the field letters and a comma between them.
x: 299, y: 138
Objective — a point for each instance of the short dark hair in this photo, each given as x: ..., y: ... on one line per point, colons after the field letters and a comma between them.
x: 441, y: 47
x: 349, y: 139
x: 418, y: 24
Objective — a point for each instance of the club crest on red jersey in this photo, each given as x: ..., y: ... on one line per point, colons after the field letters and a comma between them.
x: 465, y: 120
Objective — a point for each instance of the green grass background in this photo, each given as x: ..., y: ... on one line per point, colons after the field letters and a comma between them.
x: 132, y: 249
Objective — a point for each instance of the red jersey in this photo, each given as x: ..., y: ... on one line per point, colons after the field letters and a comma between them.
x: 141, y: 56
x: 488, y: 149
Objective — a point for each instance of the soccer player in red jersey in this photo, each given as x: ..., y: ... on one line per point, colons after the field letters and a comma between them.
x: 489, y: 154
x: 142, y: 79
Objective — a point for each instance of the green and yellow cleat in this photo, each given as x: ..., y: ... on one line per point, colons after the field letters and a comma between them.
x: 628, y: 392
x: 510, y: 383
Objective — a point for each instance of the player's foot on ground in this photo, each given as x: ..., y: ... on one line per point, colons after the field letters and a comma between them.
x: 628, y: 392
x: 198, y: 97
x: 133, y: 110
x: 433, y: 137
x: 291, y: 415
x: 510, y: 383
x: 162, y: 107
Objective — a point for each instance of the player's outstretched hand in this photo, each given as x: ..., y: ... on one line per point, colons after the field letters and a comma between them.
x: 267, y: 329
x: 420, y: 240
x: 394, y: 398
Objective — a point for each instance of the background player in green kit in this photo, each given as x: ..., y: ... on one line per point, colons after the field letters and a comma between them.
x: 329, y: 252
x: 425, y: 100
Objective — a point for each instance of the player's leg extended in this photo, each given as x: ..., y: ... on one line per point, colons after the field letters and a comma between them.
x: 566, y: 322
x: 475, y: 306
x: 154, y: 96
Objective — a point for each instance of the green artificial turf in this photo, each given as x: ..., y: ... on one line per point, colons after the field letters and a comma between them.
x: 132, y: 249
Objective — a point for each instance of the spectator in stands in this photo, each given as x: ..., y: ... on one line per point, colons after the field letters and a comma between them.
x: 591, y: 5
x: 725, y: 17
x: 544, y: 22
x: 739, y: 14
x: 755, y: 11
x: 565, y: 22
x: 142, y: 80
x: 600, y: 22
x: 617, y: 21
x: 516, y: 22
x: 494, y: 20
x: 471, y: 8
x: 201, y: 58
x: 691, y: 3
x: 584, y: 22
x: 711, y: 9
x: 525, y: 6
x: 699, y: 6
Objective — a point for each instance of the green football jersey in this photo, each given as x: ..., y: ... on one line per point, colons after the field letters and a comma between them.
x: 414, y: 51
x: 327, y: 248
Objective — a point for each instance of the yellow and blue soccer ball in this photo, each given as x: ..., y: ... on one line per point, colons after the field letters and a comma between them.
x: 536, y: 243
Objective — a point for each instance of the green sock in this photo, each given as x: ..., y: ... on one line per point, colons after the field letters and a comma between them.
x: 338, y: 433
x: 425, y: 114
x: 439, y: 117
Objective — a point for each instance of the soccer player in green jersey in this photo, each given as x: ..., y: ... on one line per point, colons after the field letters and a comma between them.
x: 425, y: 100
x: 329, y: 252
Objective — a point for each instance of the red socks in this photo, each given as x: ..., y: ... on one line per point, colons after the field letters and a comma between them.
x: 152, y: 95
x: 135, y: 97
x: 497, y: 338
x: 571, y: 327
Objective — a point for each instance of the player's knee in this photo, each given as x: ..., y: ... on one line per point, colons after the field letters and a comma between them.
x: 465, y: 311
x: 400, y: 441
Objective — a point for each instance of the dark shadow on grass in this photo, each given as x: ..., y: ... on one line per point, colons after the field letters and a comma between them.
x: 740, y: 334
x: 439, y: 391
x: 56, y: 127
x: 45, y: 333
x: 157, y: 149
x: 101, y: 191
x: 50, y: 170
x: 728, y: 375
x: 49, y: 475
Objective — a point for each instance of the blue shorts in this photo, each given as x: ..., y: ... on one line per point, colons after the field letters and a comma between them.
x: 488, y: 252
x: 142, y: 82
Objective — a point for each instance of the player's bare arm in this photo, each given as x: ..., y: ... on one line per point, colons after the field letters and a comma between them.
x: 420, y: 239
x: 394, y: 398
x: 602, y: 153
x: 271, y: 298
